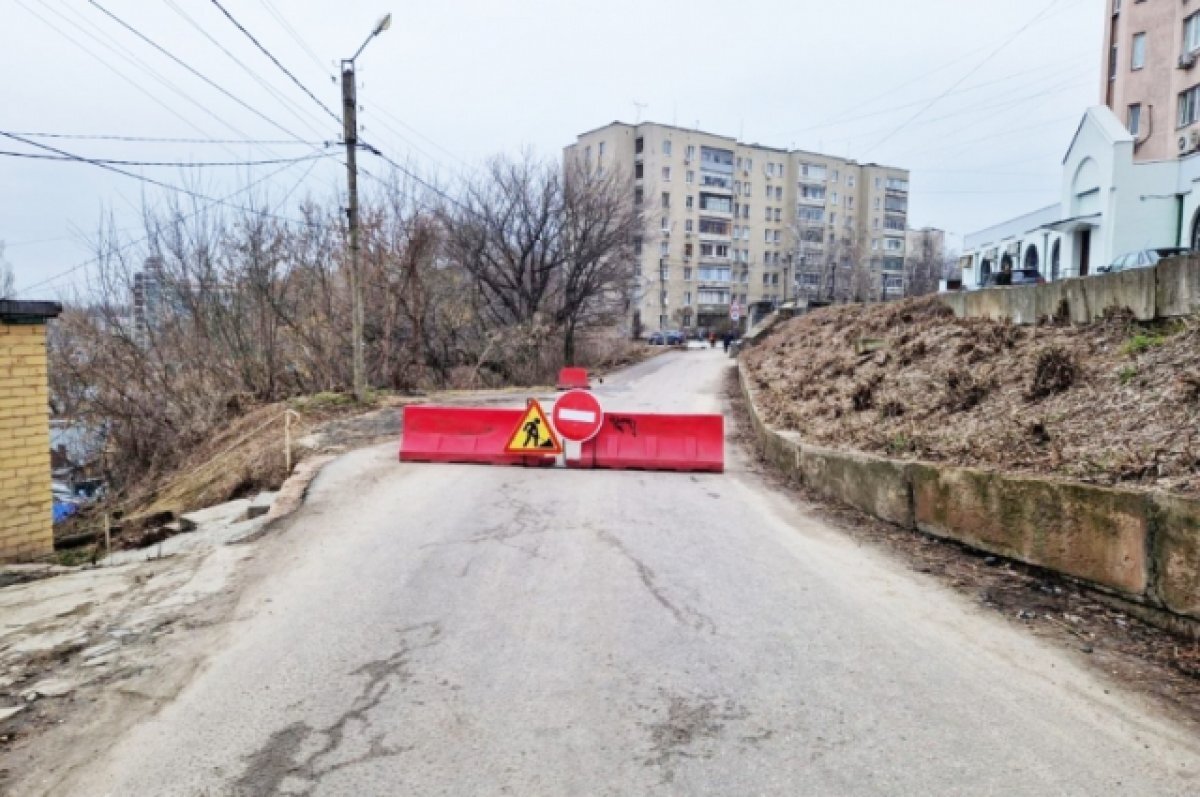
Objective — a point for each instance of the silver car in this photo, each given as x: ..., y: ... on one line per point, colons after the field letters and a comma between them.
x: 1144, y: 258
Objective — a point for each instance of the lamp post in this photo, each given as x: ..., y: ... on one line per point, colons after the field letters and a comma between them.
x: 350, y: 134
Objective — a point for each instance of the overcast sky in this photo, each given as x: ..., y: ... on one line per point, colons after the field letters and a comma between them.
x: 980, y: 113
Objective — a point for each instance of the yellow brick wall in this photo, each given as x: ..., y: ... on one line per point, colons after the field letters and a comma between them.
x: 25, y: 520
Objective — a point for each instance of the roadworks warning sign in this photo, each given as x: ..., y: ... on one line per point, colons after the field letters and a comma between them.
x: 534, y: 435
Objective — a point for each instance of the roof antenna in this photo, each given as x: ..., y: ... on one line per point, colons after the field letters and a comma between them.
x: 638, y: 106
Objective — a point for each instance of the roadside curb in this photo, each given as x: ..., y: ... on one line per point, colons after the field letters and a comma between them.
x: 1140, y: 547
x: 291, y: 496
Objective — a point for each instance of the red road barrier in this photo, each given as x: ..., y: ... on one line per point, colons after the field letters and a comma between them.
x: 573, y: 379
x: 641, y: 441
x: 462, y: 434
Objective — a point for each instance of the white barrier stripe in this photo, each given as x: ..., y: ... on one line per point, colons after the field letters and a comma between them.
x: 580, y: 416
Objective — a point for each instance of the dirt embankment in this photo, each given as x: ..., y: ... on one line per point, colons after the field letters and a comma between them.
x: 1114, y: 402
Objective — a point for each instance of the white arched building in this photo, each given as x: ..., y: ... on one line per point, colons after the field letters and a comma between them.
x: 1110, y: 205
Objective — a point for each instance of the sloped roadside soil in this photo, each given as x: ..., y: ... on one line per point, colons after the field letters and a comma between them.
x: 1113, y: 402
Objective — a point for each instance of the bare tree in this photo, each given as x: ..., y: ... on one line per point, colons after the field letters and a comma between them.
x: 601, y: 225
x: 7, y: 278
x: 923, y: 266
x: 546, y: 251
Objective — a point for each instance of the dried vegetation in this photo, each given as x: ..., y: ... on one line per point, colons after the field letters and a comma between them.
x: 1113, y: 402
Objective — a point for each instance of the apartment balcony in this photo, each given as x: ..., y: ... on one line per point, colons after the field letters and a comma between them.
x: 712, y: 309
x: 812, y: 201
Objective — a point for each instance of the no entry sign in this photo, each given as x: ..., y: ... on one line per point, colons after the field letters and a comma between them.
x: 577, y: 416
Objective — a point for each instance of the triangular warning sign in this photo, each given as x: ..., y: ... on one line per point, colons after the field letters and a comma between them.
x: 534, y: 435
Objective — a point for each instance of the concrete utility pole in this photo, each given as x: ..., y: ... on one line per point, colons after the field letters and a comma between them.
x: 350, y: 133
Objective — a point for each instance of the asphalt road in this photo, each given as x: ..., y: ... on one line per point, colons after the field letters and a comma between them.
x: 458, y: 630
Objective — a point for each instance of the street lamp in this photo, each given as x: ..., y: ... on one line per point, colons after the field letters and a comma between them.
x: 350, y: 134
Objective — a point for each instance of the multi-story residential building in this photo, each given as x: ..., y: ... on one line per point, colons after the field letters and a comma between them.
x: 1151, y: 79
x: 734, y: 223
x: 1131, y: 174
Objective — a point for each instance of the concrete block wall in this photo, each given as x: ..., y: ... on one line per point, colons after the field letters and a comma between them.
x: 1139, y: 545
x: 1168, y: 290
x: 26, y: 529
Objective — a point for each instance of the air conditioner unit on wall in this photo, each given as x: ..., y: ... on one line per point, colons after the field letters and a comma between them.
x: 1187, y: 60
x: 1184, y: 145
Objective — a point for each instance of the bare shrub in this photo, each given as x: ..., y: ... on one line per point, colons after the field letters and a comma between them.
x: 1054, y: 372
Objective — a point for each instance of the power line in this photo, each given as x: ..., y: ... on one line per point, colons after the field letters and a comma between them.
x: 136, y: 84
x: 124, y: 52
x: 970, y: 73
x: 178, y: 164
x: 192, y: 70
x: 140, y: 177
x: 212, y: 203
x: 275, y: 61
x: 303, y: 114
x: 282, y: 20
x: 160, y: 140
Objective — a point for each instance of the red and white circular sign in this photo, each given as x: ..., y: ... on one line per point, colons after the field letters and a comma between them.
x: 577, y: 416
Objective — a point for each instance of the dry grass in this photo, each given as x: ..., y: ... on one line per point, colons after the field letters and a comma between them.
x: 1110, y: 402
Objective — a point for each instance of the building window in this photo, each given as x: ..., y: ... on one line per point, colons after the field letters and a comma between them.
x: 639, y: 144
x: 811, y: 215
x: 1191, y: 33
x: 779, y: 193
x: 1137, y: 57
x: 666, y: 199
x: 875, y: 223
x: 690, y: 176
x: 877, y: 203
x: 849, y: 201
x: 1113, y: 58
x: 850, y: 181
x: 689, y: 202
x: 687, y: 298
x: 747, y: 187
x: 833, y: 197
x: 766, y: 214
x: 721, y: 204
x: 687, y: 271
x: 1189, y: 106
x: 777, y: 236
x: 666, y: 173
x: 666, y: 224
x: 639, y: 171
x: 1116, y: 7
x: 833, y: 178
x: 813, y: 171
x: 749, y: 164
x: 691, y: 152
x: 667, y: 146
x: 1135, y: 119
x: 664, y: 248
x: 897, y: 184
x: 587, y: 154
x: 601, y: 149
x: 878, y: 183
x: 778, y: 214
x: 687, y: 224
x: 745, y: 211
x: 893, y: 244
x: 637, y: 196
x: 832, y: 219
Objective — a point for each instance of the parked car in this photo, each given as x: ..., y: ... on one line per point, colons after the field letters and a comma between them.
x: 668, y: 338
x: 1143, y: 258
x: 1018, y: 276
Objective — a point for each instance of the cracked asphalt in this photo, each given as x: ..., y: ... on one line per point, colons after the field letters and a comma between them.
x: 458, y: 630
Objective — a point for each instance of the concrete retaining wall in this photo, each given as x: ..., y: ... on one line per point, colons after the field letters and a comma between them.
x: 1139, y: 545
x: 1170, y: 289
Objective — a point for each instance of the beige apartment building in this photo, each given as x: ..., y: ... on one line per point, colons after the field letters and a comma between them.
x: 729, y: 223
x: 1151, y: 79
